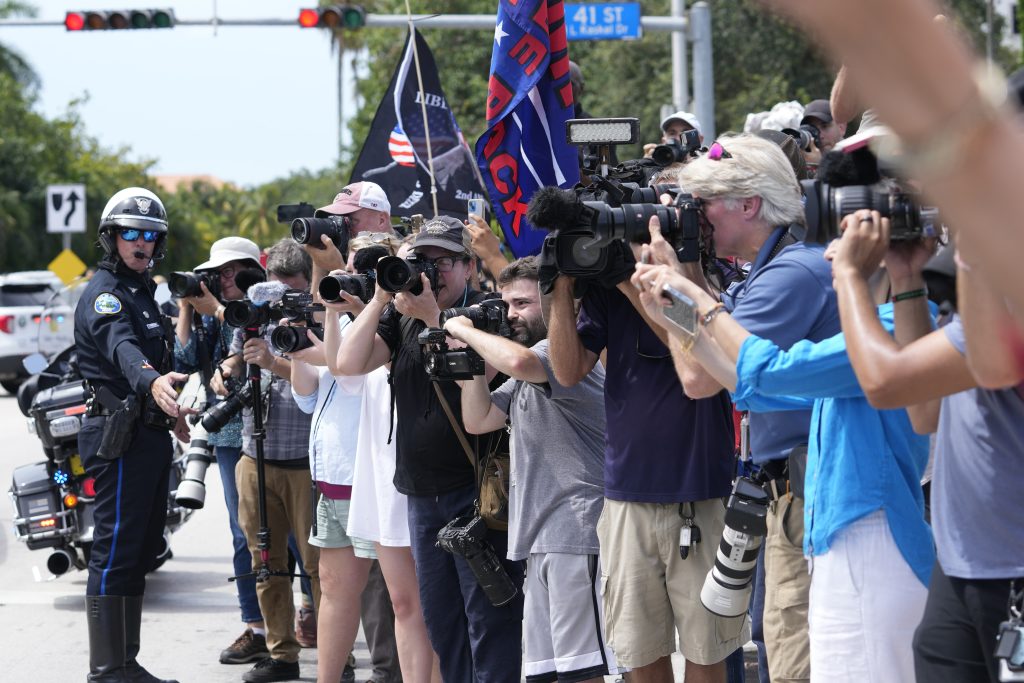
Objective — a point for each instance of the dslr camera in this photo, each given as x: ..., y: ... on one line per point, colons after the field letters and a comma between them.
x: 310, y: 230
x: 219, y: 414
x: 826, y: 205
x: 360, y: 286
x: 185, y: 284
x: 804, y: 136
x: 395, y: 274
x: 490, y: 315
x: 466, y: 536
x: 296, y: 306
x: 674, y: 151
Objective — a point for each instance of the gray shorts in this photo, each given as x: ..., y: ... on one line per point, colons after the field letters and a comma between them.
x: 562, y: 620
x: 331, y: 520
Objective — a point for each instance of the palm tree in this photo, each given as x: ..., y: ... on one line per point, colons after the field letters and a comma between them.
x: 12, y: 63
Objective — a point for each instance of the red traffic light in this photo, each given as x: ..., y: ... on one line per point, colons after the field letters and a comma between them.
x: 74, y: 21
x: 309, y: 18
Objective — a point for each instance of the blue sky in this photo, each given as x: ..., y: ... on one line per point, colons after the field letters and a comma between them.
x: 246, y: 105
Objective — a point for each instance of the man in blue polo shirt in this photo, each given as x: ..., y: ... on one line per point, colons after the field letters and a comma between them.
x: 668, y: 463
x: 752, y: 201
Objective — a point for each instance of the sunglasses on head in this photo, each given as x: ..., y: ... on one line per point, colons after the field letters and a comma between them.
x: 132, y: 234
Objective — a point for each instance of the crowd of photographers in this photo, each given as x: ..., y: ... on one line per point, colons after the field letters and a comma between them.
x: 699, y: 417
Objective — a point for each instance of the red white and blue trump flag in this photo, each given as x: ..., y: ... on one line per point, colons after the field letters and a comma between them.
x: 394, y: 154
x: 529, y: 99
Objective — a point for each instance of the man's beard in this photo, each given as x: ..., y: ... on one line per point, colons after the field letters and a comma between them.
x: 529, y: 332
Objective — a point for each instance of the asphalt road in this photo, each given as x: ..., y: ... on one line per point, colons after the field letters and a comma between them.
x: 191, y: 612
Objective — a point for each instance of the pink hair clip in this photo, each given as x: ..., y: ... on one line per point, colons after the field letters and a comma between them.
x: 716, y: 152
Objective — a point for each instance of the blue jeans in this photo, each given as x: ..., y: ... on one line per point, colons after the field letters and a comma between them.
x: 227, y: 458
x: 474, y: 640
x: 757, y: 619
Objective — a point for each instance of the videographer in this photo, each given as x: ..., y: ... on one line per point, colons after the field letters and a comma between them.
x: 752, y: 204
x: 229, y: 256
x: 556, y: 482
x: 474, y: 639
x: 870, y: 547
x: 123, y: 343
x: 668, y: 463
x: 287, y: 477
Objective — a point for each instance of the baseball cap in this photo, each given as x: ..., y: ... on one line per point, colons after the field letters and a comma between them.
x: 685, y: 116
x: 819, y: 109
x: 443, y: 231
x: 229, y: 249
x: 362, y: 195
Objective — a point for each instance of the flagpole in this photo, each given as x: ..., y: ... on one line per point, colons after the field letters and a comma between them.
x: 423, y: 107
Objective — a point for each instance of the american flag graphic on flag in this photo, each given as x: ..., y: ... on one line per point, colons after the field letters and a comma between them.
x: 394, y: 154
x: 401, y: 148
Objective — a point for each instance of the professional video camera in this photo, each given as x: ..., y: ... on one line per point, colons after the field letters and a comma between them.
x: 615, y: 206
x: 804, y: 136
x: 296, y: 306
x: 443, y: 364
x: 360, y: 286
x: 184, y: 284
x: 849, y: 182
x: 466, y: 537
x: 490, y: 315
x: 395, y: 274
x: 674, y: 151
x: 727, y: 587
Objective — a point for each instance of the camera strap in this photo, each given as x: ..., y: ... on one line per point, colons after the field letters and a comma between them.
x: 470, y: 453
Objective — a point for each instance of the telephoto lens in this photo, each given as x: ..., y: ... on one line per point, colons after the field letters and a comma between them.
x: 215, y: 417
x: 727, y: 587
x: 199, y: 456
x: 185, y: 284
x: 359, y: 286
x: 288, y: 339
x: 310, y: 230
x: 396, y: 274
x: 466, y: 536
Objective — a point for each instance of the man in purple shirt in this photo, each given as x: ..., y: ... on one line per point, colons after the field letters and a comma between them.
x: 668, y: 463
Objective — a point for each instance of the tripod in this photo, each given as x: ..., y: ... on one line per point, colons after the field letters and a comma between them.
x: 259, y: 433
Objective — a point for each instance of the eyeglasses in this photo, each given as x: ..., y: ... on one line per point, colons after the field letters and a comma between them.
x: 226, y: 273
x: 132, y: 234
x: 444, y: 264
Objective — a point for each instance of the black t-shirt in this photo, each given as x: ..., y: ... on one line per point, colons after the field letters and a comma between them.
x: 430, y: 459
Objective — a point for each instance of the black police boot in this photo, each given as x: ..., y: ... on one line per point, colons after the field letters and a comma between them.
x: 105, y: 616
x: 132, y: 627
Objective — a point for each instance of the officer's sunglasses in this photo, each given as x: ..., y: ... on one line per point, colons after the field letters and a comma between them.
x: 132, y: 234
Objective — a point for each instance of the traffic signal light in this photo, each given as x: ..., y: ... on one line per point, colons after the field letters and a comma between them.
x: 91, y: 20
x: 333, y: 16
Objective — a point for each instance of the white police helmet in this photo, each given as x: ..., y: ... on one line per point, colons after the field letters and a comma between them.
x: 133, y: 207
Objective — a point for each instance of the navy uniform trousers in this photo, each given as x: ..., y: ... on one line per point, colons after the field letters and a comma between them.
x: 130, y: 508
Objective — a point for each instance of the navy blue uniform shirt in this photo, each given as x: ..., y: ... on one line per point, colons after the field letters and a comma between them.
x: 119, y: 331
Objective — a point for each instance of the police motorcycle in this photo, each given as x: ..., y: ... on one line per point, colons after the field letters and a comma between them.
x: 53, y: 498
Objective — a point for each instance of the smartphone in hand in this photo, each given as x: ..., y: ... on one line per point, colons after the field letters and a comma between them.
x: 683, y: 310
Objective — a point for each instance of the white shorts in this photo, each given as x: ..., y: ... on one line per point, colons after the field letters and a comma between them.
x: 563, y: 620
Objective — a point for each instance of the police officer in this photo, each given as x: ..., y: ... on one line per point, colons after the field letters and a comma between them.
x: 122, y: 344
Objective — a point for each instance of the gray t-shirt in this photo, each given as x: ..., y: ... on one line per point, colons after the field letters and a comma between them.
x: 977, y: 515
x: 556, y: 486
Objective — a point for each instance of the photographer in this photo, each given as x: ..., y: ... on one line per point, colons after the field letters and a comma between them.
x: 672, y: 128
x: 870, y: 547
x: 556, y: 482
x: 975, y: 512
x: 818, y: 115
x: 752, y: 204
x: 474, y: 639
x: 668, y: 463
x: 287, y: 478
x: 229, y: 256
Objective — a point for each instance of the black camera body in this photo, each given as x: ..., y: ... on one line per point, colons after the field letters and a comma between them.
x: 490, y: 315
x: 804, y: 136
x: 395, y: 274
x: 219, y: 414
x: 296, y: 306
x: 674, y: 151
x: 186, y: 284
x: 466, y: 536
x: 826, y: 205
x: 310, y: 230
x: 360, y: 286
x: 444, y: 364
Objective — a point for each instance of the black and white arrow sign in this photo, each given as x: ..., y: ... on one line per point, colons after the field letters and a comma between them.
x: 65, y: 208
